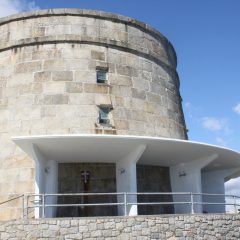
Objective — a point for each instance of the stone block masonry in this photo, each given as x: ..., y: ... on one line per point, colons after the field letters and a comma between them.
x: 172, y: 227
x: 48, y: 63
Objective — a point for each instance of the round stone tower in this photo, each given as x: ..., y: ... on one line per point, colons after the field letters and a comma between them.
x: 71, y: 71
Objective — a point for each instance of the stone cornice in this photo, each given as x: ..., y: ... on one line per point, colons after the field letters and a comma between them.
x: 92, y: 14
x: 77, y: 39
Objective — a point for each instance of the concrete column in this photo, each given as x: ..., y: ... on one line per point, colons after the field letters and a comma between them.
x: 51, y: 186
x: 213, y: 182
x: 186, y: 177
x: 46, y: 181
x: 40, y: 162
x: 127, y: 179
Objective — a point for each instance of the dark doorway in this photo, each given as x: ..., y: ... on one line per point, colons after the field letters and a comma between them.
x: 154, y: 179
x: 86, y: 178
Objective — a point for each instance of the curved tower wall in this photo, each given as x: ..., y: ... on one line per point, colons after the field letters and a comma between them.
x: 48, y: 62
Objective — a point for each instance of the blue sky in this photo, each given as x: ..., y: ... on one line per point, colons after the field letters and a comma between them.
x: 206, y: 37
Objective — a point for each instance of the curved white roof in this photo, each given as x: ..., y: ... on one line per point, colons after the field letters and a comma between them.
x: 112, y: 148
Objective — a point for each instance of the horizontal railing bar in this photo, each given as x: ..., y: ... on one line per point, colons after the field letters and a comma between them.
x: 114, y: 204
x: 131, y: 193
x: 83, y: 204
x: 157, y: 193
x: 10, y: 207
x: 158, y: 203
x: 9, y: 200
x: 81, y: 194
x: 37, y: 200
x: 34, y: 195
x: 215, y: 194
x: 203, y: 203
x: 77, y: 205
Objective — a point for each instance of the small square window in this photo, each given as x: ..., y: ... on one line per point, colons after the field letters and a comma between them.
x: 104, y: 114
x: 102, y: 75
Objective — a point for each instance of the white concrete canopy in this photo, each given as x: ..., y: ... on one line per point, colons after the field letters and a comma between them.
x: 111, y: 148
x: 190, y: 162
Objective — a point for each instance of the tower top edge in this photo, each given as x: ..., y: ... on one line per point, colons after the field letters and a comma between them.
x: 87, y: 13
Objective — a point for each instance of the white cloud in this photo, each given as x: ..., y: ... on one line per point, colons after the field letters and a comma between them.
x: 236, y: 109
x: 221, y: 141
x: 8, y: 7
x: 233, y: 186
x: 188, y: 104
x: 214, y: 124
x: 189, y: 108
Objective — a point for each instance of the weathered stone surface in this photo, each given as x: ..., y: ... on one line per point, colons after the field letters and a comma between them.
x: 127, y: 71
x: 95, y: 88
x: 62, y: 76
x: 120, y: 80
x: 28, y: 67
x: 121, y: 91
x: 141, y: 83
x: 98, y: 55
x: 138, y: 93
x: 154, y: 98
x: 121, y: 124
x: 42, y: 76
x: 85, y: 76
x: 54, y: 65
x: 104, y: 100
x: 145, y: 227
x: 74, y: 87
x: 55, y: 99
x: 48, y: 82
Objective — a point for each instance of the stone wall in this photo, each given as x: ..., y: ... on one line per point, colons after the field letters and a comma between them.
x: 174, y: 227
x: 48, y: 62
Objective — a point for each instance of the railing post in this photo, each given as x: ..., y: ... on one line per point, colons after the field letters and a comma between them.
x: 235, y: 204
x: 43, y: 205
x: 23, y: 206
x: 192, y: 203
x: 27, y: 206
x: 125, y: 204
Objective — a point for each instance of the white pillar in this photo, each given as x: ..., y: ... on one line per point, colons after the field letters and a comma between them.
x: 127, y: 179
x: 46, y: 181
x: 186, y: 177
x: 213, y: 182
x: 40, y: 162
x: 51, y: 186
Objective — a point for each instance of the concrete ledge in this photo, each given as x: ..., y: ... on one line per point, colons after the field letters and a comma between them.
x: 219, y: 226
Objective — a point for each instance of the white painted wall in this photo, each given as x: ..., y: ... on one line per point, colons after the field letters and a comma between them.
x: 191, y: 182
x: 40, y: 163
x: 214, y: 182
x: 126, y: 177
x: 51, y: 186
x: 46, y: 181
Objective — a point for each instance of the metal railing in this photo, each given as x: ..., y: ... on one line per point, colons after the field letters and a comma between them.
x: 42, y: 202
x: 7, y: 204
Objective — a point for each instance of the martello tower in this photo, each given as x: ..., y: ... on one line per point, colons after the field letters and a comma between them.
x: 95, y: 93
x: 69, y: 71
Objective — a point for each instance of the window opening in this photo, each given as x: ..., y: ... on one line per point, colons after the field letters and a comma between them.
x: 102, y: 75
x: 104, y: 114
